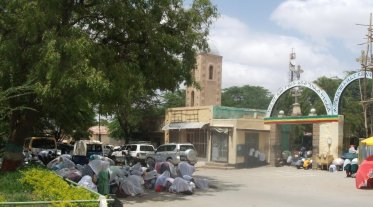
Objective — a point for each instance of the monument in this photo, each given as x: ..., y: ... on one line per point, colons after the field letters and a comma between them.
x: 294, y: 75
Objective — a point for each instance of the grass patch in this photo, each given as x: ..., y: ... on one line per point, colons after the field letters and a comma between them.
x: 35, y: 183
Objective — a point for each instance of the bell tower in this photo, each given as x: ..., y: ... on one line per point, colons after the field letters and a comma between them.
x: 207, y: 74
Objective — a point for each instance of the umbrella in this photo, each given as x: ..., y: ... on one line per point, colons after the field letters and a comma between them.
x: 365, y: 148
x: 364, y: 175
x: 368, y: 141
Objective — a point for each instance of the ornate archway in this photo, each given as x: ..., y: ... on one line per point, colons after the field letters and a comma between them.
x: 319, y: 91
x: 344, y: 84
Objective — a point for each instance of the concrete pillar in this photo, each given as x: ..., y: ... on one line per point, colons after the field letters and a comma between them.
x: 274, y: 140
x: 315, y: 143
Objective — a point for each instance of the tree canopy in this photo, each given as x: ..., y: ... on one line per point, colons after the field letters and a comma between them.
x: 78, y: 55
x: 255, y: 97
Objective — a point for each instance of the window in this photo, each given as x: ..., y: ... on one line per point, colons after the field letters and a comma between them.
x: 192, y: 99
x: 211, y: 72
x: 132, y: 147
x: 166, y: 148
x: 186, y: 147
x: 146, y: 148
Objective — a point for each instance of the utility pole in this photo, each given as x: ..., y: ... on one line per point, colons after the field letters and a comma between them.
x: 367, y: 65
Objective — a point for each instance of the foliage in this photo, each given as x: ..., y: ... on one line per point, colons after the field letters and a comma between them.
x: 254, y: 97
x: 77, y: 55
x: 47, y: 186
x: 34, y: 183
x: 115, y: 130
x: 150, y: 48
x: 284, y: 103
x: 14, y: 190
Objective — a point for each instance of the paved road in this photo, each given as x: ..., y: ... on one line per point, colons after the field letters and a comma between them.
x: 265, y: 186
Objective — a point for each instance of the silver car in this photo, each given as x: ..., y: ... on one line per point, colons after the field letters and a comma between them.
x: 174, y: 153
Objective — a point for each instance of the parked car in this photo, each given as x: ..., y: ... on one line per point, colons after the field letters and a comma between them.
x: 138, y: 152
x: 107, y: 149
x: 33, y: 146
x: 84, y: 149
x: 65, y: 148
x: 174, y: 153
x: 118, y: 154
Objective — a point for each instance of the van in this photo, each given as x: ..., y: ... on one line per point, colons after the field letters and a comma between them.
x: 34, y: 145
x: 84, y: 149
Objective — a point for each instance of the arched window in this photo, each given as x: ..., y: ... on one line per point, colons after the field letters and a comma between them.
x: 211, y: 72
x: 192, y: 99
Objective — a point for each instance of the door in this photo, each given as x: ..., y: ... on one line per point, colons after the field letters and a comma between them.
x: 219, y: 145
x: 252, y: 145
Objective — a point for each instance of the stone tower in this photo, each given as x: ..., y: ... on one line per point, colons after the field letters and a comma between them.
x: 208, y: 75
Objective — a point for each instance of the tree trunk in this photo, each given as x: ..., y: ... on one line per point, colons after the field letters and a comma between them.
x: 124, y: 125
x: 21, y: 125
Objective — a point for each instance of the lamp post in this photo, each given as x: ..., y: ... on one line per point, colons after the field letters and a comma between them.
x: 329, y: 141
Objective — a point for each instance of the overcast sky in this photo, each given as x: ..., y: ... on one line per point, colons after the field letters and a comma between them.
x: 255, y: 38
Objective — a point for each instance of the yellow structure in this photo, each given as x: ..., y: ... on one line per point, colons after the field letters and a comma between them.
x: 207, y: 74
x: 220, y: 134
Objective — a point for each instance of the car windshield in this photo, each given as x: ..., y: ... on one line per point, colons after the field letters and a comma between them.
x: 166, y: 148
x: 186, y: 147
x: 44, y: 143
x: 146, y: 148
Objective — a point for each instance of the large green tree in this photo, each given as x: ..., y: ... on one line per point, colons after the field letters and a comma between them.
x: 247, y: 96
x: 80, y: 55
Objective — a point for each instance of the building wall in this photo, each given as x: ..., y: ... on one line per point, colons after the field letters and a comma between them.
x: 239, y: 128
x: 105, y: 139
x: 334, y: 132
x: 209, y: 92
x: 263, y: 143
x: 187, y: 114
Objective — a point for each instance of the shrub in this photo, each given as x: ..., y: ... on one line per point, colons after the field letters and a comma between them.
x: 35, y: 183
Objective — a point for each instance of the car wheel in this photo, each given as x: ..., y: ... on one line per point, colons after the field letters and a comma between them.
x: 150, y: 163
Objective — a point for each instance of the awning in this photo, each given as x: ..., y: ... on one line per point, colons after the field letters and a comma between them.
x: 184, y: 125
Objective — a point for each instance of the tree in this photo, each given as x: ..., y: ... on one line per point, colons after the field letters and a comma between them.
x: 172, y: 99
x: 151, y: 48
x: 78, y: 55
x: 255, y: 97
x: 151, y: 108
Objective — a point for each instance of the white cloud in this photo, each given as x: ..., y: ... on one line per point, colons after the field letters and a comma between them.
x: 262, y: 59
x: 322, y: 20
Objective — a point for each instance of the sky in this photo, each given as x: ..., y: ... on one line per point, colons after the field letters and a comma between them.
x: 256, y: 37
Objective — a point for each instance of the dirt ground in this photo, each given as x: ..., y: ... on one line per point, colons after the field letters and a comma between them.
x: 264, y: 186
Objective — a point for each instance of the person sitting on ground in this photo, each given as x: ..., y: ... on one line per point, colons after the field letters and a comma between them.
x: 347, y: 167
x: 352, y: 149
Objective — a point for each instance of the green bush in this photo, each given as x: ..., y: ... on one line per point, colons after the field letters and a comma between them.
x: 39, y: 184
x: 14, y: 190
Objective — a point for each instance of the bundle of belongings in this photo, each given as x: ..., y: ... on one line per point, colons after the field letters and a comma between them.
x: 102, y: 176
